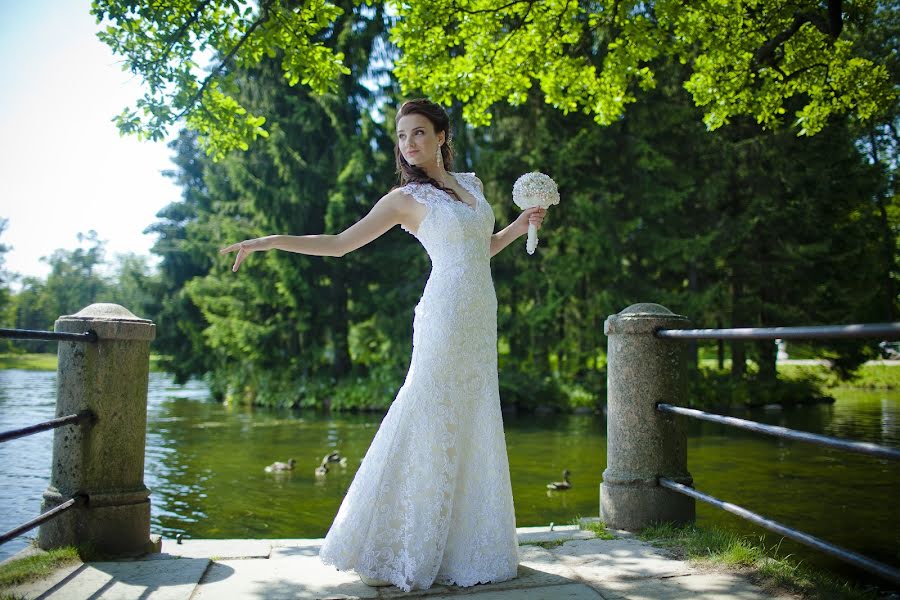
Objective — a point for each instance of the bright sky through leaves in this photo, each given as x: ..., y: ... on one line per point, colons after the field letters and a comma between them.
x: 64, y: 169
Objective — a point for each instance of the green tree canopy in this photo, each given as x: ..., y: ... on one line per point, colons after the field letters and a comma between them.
x: 745, y: 57
x: 165, y: 42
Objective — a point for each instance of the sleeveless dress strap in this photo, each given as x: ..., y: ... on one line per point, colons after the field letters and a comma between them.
x: 422, y: 193
x: 469, y: 181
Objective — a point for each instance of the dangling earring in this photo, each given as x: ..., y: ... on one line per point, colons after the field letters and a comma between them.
x: 438, y: 159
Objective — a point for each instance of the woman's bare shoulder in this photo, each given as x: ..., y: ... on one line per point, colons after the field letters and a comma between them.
x: 400, y: 200
x: 409, y: 213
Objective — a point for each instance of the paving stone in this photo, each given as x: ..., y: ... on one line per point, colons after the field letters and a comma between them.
x: 290, y: 548
x: 543, y: 528
x: 545, y: 562
x: 572, y: 591
x: 392, y: 591
x: 639, y: 589
x: 621, y: 569
x: 299, y: 577
x: 690, y: 587
x: 526, y: 577
x: 598, y: 560
x: 217, y: 549
x: 290, y: 542
x: 720, y: 586
x: 537, y: 567
x: 132, y: 580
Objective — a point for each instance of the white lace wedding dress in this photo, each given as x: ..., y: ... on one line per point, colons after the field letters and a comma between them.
x: 432, y: 500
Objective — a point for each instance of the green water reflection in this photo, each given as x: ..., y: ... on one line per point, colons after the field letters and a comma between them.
x: 205, y: 466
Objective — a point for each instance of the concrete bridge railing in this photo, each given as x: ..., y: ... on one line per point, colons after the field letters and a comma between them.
x: 96, y: 499
x: 643, y: 370
x: 646, y: 480
x: 104, y: 462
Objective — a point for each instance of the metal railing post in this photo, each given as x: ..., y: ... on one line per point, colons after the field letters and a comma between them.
x: 642, y: 444
x: 104, y: 461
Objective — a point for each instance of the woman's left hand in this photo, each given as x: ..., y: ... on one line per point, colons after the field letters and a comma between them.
x: 535, y: 215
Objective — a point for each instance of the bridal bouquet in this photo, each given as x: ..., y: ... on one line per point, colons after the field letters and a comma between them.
x: 534, y: 189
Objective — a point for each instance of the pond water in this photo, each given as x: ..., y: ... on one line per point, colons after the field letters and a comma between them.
x: 204, y: 466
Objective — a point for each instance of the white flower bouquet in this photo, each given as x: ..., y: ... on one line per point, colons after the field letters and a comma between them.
x: 534, y: 189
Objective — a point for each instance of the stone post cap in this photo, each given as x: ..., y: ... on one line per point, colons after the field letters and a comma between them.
x: 110, y: 321
x: 643, y: 317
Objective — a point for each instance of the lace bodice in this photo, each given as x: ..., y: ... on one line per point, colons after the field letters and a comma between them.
x: 453, y: 232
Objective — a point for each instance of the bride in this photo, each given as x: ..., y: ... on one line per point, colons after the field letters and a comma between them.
x: 432, y: 500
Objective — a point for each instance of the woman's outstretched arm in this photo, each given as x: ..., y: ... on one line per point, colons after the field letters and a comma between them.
x: 505, y: 237
x: 391, y: 209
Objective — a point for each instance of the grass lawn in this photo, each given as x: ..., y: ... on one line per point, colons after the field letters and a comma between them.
x: 45, y: 362
x: 28, y: 362
x: 766, y: 566
x: 868, y: 376
x: 36, y: 566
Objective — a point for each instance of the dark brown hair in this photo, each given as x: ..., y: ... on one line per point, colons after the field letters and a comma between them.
x: 439, y: 119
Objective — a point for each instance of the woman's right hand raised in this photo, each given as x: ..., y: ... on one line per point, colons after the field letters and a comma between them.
x: 244, y: 249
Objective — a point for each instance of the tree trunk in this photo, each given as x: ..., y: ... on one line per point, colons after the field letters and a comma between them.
x: 738, y: 352
x: 767, y: 352
x: 887, y: 240
x: 720, y: 347
x: 341, y: 329
x: 693, y: 351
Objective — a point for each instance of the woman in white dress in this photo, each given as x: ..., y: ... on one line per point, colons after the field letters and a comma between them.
x: 432, y: 500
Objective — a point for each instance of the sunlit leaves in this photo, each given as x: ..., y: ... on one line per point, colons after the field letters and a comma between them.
x: 733, y: 76
x: 482, y: 51
x: 777, y: 63
x: 747, y: 57
x: 164, y: 43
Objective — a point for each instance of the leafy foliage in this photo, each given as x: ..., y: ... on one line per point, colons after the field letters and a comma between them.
x: 741, y: 227
x: 283, y: 318
x: 746, y: 58
x: 165, y: 42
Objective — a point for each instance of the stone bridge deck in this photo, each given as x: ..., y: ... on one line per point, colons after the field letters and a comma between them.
x: 562, y: 563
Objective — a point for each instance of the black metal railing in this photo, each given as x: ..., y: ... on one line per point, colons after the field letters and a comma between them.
x: 85, y: 417
x: 887, y: 331
x: 53, y: 336
x: 873, y: 566
x: 875, y: 330
x: 784, y: 432
x: 77, y: 500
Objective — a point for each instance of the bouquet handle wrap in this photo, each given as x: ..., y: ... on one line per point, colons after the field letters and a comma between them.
x: 532, y: 241
x: 534, y: 190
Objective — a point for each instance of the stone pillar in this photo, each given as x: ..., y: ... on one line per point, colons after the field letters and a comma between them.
x: 642, y: 443
x: 104, y: 460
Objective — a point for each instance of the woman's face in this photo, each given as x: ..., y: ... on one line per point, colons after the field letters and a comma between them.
x: 417, y: 140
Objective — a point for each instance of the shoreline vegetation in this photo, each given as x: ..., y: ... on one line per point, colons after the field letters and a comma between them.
x: 800, y: 383
x: 47, y: 361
